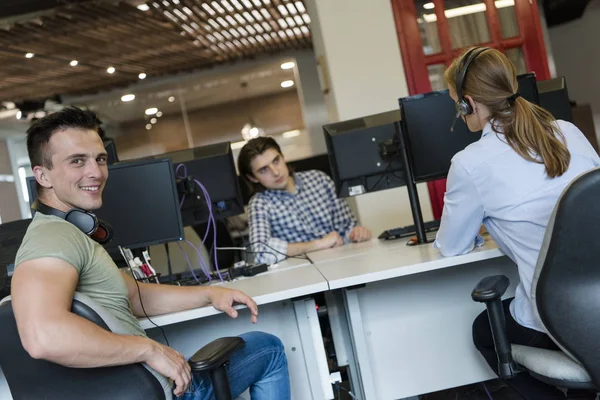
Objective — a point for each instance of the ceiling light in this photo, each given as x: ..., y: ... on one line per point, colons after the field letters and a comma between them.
x: 19, y: 114
x: 288, y: 65
x: 153, y: 120
x: 74, y: 63
x: 287, y: 84
x: 142, y: 75
x: 151, y: 111
x: 143, y: 7
x: 429, y: 6
x: 171, y: 99
x: 159, y: 114
x: 291, y: 134
x: 148, y: 126
x: 111, y: 70
x: 29, y: 55
x: 128, y: 97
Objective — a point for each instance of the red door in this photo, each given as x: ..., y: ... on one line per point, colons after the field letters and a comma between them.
x: 432, y: 33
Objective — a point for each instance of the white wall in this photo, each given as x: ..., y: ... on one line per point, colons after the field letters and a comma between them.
x: 362, y: 73
x: 577, y: 56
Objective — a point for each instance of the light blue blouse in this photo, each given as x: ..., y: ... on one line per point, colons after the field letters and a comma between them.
x: 489, y: 182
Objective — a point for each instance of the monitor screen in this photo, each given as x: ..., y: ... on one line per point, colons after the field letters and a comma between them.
x: 111, y: 151
x: 528, y: 87
x: 364, y: 154
x: 426, y: 121
x: 140, y: 202
x: 213, y: 166
x: 554, y: 97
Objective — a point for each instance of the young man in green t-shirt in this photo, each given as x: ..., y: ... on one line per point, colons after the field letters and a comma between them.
x: 56, y: 259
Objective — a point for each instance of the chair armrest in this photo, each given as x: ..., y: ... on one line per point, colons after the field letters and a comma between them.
x: 490, y: 288
x: 489, y: 291
x: 215, y: 354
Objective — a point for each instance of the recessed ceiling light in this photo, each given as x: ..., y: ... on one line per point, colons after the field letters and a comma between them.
x: 288, y: 65
x: 153, y: 120
x: 429, y: 6
x: 128, y: 97
x: 291, y: 134
x: 159, y: 114
x: 151, y: 111
x: 111, y: 70
x: 29, y: 55
x: 148, y: 126
x: 19, y: 114
x: 143, y: 7
x: 287, y: 84
x: 74, y: 63
x: 171, y: 99
x: 142, y: 75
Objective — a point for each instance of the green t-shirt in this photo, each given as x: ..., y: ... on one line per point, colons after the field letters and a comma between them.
x: 99, y: 277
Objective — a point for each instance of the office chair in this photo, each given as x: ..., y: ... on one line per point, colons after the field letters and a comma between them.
x: 565, y: 293
x: 30, y: 378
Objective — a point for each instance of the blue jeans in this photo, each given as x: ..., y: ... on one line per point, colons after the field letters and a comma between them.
x: 260, y: 366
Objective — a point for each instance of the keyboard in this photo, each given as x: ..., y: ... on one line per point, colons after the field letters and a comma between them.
x: 410, y: 230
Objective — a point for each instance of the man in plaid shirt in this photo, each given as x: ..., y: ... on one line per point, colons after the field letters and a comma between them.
x: 292, y: 213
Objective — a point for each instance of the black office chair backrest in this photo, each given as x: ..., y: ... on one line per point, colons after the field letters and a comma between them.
x: 29, y: 378
x: 567, y: 293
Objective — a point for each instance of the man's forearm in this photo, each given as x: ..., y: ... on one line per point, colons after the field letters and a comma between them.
x: 295, y: 249
x: 164, y: 299
x: 75, y: 342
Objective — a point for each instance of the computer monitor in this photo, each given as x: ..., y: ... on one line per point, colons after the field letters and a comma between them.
x: 213, y: 166
x: 554, y: 97
x: 426, y: 121
x: 140, y: 202
x: 528, y: 87
x: 364, y: 154
x: 111, y: 150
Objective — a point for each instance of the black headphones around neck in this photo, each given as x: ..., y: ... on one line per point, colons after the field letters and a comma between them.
x: 463, y: 107
x: 85, y: 221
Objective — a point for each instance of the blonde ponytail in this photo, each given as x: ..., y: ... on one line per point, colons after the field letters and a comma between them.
x: 530, y: 130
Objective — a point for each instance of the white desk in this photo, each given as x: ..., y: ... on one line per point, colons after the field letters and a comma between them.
x: 402, y: 319
x: 289, y: 279
x: 356, y: 249
x: 284, y: 311
x: 382, y: 260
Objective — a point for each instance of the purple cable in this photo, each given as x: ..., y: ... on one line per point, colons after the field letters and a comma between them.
x: 182, y: 177
x: 188, y: 261
x: 486, y: 391
x: 201, y: 261
x: 211, y: 219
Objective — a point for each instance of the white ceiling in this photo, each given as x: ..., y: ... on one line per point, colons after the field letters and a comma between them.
x: 222, y: 85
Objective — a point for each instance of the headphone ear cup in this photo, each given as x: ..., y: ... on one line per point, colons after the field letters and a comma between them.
x: 85, y: 221
x: 104, y: 233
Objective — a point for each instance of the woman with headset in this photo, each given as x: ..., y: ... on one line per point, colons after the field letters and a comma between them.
x: 509, y: 180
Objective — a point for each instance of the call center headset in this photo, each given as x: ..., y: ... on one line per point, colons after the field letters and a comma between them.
x: 463, y: 107
x: 86, y: 221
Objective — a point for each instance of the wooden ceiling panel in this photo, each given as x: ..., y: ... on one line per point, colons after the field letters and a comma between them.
x: 172, y: 36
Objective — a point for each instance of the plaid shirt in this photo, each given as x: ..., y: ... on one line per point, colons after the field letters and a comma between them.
x: 277, y: 217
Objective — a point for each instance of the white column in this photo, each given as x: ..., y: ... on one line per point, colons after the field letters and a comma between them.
x: 361, y: 72
x: 312, y: 101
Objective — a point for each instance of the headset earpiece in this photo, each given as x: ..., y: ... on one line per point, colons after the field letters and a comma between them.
x: 463, y: 107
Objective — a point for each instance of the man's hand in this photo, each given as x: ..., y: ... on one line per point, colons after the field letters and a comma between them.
x: 224, y: 299
x: 359, y: 234
x: 332, y: 239
x: 171, y: 364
